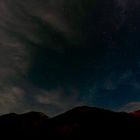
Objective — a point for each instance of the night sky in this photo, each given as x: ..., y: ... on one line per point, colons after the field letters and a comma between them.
x: 58, y: 54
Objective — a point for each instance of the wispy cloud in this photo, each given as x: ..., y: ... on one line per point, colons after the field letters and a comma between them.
x: 130, y: 107
x: 10, y: 99
x: 60, y: 98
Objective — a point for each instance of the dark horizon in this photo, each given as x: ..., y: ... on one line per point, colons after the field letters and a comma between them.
x: 81, y: 122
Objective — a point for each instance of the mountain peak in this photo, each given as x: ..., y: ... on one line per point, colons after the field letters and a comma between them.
x: 35, y: 114
x: 85, y: 109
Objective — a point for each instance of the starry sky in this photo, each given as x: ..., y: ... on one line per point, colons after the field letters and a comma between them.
x: 58, y: 54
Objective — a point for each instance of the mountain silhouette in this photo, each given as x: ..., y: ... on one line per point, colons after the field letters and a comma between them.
x: 136, y: 113
x: 80, y: 122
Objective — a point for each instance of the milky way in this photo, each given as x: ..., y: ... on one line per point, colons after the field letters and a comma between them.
x: 55, y: 55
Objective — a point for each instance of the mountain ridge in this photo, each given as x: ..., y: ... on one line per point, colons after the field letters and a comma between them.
x: 80, y: 122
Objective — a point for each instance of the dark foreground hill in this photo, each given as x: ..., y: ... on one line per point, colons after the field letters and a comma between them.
x: 81, y: 122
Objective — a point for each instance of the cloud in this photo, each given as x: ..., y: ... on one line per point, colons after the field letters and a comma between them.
x: 59, y: 98
x: 130, y: 107
x: 10, y: 99
x: 113, y: 80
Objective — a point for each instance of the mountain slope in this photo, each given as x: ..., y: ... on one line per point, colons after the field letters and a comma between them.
x: 81, y: 122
